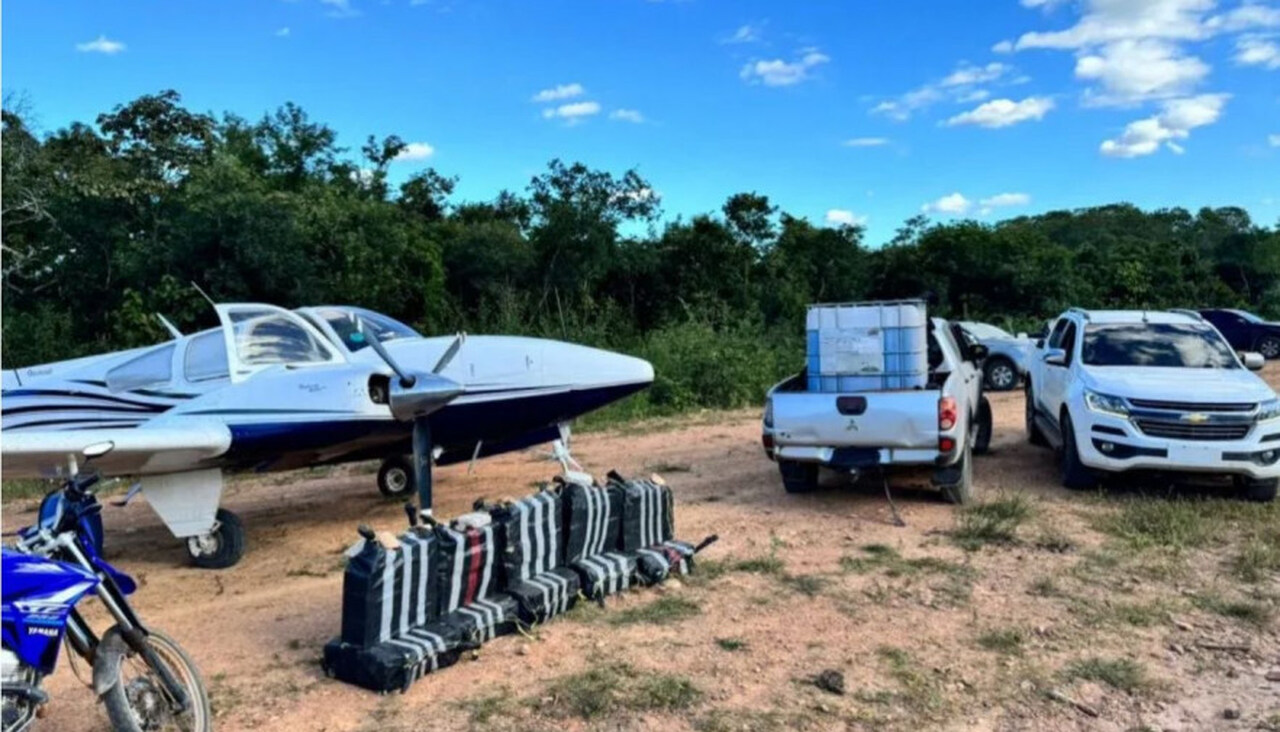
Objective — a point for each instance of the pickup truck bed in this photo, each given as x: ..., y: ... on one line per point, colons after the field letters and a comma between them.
x: 858, y: 431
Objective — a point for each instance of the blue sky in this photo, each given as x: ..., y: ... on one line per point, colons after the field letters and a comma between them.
x: 869, y: 110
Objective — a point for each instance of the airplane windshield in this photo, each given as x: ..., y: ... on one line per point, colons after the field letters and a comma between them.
x: 343, y: 322
x: 264, y: 337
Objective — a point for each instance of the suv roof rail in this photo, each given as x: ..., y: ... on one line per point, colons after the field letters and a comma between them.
x: 1188, y: 312
x: 1079, y: 311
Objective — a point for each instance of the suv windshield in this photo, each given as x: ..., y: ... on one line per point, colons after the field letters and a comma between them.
x: 1170, y: 345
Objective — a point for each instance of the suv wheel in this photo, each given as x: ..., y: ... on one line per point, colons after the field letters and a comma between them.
x: 798, y: 477
x: 1269, y: 347
x: 1260, y: 491
x: 1034, y: 435
x: 1075, y: 474
x: 1001, y: 374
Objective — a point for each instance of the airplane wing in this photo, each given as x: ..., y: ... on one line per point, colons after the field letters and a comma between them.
x: 138, y: 450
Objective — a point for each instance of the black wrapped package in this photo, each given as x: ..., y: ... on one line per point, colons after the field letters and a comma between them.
x: 391, y: 634
x: 533, y: 556
x: 648, y: 512
x: 469, y: 577
x: 594, y: 518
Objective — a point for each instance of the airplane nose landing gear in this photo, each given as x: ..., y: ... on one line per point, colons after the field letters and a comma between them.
x: 395, y: 477
x: 222, y: 546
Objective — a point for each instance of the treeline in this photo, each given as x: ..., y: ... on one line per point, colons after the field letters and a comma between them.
x: 106, y: 224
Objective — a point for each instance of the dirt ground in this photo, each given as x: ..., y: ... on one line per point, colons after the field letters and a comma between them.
x: 1003, y: 635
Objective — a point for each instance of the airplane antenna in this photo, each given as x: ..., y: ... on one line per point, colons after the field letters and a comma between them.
x: 173, y: 331
x: 204, y: 294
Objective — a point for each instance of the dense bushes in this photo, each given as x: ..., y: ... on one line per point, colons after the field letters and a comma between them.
x: 105, y: 225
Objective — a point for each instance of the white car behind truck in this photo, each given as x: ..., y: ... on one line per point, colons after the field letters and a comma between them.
x: 941, y: 422
x: 1163, y: 392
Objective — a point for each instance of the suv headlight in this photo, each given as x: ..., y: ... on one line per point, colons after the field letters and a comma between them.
x: 1269, y: 410
x: 1106, y: 404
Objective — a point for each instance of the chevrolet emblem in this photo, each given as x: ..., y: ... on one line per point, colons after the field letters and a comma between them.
x: 1195, y: 417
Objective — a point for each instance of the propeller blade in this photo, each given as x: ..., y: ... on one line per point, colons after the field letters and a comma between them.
x: 406, y: 379
x: 422, y: 463
x: 449, y: 353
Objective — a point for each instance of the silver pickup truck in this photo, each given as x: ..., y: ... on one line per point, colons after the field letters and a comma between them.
x: 942, y: 425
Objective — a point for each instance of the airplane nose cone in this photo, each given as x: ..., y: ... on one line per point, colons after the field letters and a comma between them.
x: 596, y: 367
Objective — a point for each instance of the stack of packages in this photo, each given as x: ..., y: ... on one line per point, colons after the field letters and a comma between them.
x: 413, y: 604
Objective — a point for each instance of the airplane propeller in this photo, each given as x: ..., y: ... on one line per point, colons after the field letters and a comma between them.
x: 413, y: 397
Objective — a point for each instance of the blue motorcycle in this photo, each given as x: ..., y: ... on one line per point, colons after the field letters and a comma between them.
x: 144, y: 679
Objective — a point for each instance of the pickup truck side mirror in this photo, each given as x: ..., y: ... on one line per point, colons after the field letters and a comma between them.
x: 1252, y: 360
x: 977, y: 352
x: 1056, y: 357
x: 1039, y: 343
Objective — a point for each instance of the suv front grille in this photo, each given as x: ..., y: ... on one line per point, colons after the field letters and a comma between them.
x: 1185, y: 431
x: 1193, y: 406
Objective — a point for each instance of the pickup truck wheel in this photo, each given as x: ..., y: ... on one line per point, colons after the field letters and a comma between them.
x: 1076, y: 475
x: 961, y: 492
x: 1269, y: 347
x: 1259, y: 491
x: 982, y: 438
x: 1034, y: 435
x: 1000, y: 374
x: 798, y: 477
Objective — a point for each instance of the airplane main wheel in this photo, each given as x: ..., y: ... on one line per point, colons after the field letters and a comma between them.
x: 222, y: 547
x: 395, y: 477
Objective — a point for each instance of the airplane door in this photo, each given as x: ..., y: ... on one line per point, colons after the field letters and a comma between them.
x: 261, y: 336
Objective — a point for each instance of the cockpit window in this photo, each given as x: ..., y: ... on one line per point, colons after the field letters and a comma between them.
x: 206, y: 357
x: 266, y: 337
x: 344, y: 324
x: 153, y: 368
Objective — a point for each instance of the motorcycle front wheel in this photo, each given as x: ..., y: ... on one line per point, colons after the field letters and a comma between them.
x: 137, y: 700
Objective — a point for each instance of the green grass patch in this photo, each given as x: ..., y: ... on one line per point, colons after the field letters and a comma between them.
x: 886, y: 558
x: 1124, y: 674
x: 1045, y: 587
x: 1052, y: 540
x: 662, y: 611
x: 21, y: 489
x: 918, y: 691
x: 993, y: 522
x: 613, y: 688
x: 765, y: 564
x: 732, y: 644
x: 1258, y: 558
x: 809, y: 585
x: 1246, y: 611
x: 1003, y: 640
x: 483, y: 709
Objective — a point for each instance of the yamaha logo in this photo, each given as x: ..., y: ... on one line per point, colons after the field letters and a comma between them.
x: 48, y: 632
x: 1195, y: 418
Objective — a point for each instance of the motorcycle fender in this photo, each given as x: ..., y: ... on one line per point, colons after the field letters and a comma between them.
x: 107, y: 658
x: 123, y: 581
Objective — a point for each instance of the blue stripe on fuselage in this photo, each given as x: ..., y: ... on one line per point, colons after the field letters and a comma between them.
x: 284, y: 445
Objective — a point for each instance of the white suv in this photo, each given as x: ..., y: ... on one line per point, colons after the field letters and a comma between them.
x: 1121, y: 390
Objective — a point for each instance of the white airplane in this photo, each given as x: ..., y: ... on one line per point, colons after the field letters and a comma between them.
x: 274, y: 389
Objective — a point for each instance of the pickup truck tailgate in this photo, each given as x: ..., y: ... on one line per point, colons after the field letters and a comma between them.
x: 894, y: 419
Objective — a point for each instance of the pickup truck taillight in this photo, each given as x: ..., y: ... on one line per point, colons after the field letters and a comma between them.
x: 948, y: 413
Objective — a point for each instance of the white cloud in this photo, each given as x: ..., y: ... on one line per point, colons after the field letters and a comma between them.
x: 777, y: 72
x: 1273, y: 140
x: 1132, y: 70
x: 101, y: 44
x: 866, y: 142
x: 574, y: 112
x: 1257, y: 51
x: 967, y: 75
x: 416, y: 151
x: 960, y: 86
x: 1175, y: 122
x: 1004, y: 112
x: 746, y: 33
x: 340, y: 8
x: 1249, y: 15
x: 282, y: 32
x: 954, y: 204
x: 1046, y: 4
x: 627, y: 115
x: 1006, y: 199
x: 563, y: 91
x: 845, y: 217
x: 1003, y: 47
